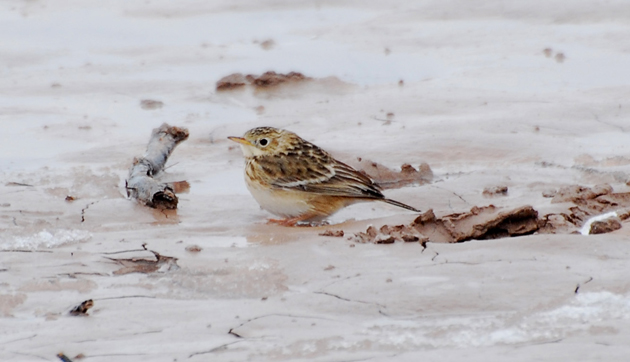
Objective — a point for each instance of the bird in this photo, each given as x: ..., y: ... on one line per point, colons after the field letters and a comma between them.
x: 300, y: 182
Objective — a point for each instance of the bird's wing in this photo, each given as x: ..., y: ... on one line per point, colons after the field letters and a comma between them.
x: 314, y: 170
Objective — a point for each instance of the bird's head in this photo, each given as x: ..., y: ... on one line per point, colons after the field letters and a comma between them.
x: 262, y: 141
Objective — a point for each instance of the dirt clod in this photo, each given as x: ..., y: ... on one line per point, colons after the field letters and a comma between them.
x: 495, y: 191
x: 605, y: 226
x: 193, y: 248
x: 82, y: 309
x: 387, y: 178
x: 560, y: 57
x: 267, y: 44
x: 489, y: 222
x: 151, y: 104
x: 266, y: 80
x: 333, y: 233
x: 231, y: 81
x: 479, y: 223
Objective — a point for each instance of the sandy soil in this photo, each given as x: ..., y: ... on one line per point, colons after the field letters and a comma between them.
x: 532, y: 96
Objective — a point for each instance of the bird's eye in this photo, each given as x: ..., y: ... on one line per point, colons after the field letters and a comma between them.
x: 263, y: 142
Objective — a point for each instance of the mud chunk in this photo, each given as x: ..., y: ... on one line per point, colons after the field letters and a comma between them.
x: 231, y: 81
x: 580, y: 194
x: 479, y: 223
x: 387, y: 178
x: 495, y: 191
x: 605, y: 226
x: 560, y: 57
x: 149, y: 104
x: 556, y: 223
x: 333, y: 233
x: 82, y: 309
x: 623, y: 214
x: 385, y: 240
x: 267, y: 44
x: 193, y: 248
x: 603, y: 189
x: 266, y: 80
x: 372, y: 235
x: 270, y: 79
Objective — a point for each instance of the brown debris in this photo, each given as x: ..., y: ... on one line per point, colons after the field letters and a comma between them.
x: 588, y: 202
x: 389, y: 234
x: 385, y: 240
x: 266, y: 80
x: 560, y: 57
x: 193, y: 248
x: 141, y: 265
x: 605, y: 226
x: 579, y: 194
x: 270, y: 79
x: 82, y: 309
x: 267, y: 44
x: 231, y: 81
x: 489, y: 222
x: 141, y: 185
x: 479, y: 223
x: 387, y: 178
x: 333, y: 233
x: 495, y: 191
x: 149, y: 104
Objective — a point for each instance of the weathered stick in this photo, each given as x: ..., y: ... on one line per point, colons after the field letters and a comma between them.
x: 140, y: 184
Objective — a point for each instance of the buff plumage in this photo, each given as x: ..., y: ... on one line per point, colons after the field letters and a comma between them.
x: 293, y: 178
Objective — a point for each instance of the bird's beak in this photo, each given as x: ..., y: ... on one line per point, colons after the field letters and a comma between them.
x: 240, y: 140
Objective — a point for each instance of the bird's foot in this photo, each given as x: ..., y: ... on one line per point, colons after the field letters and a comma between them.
x: 292, y: 221
x: 297, y: 221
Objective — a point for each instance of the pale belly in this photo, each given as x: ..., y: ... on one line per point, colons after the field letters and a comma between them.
x: 283, y: 203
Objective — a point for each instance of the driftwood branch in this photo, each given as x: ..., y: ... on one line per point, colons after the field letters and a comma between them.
x: 141, y: 185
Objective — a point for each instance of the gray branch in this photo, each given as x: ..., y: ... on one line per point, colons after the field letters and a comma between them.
x: 141, y: 185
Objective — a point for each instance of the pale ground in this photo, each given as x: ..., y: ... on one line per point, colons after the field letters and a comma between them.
x: 481, y: 103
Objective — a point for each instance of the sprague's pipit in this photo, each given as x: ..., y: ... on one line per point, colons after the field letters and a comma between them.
x: 295, y: 179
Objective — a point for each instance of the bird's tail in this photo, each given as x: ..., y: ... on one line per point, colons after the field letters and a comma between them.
x: 400, y: 204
